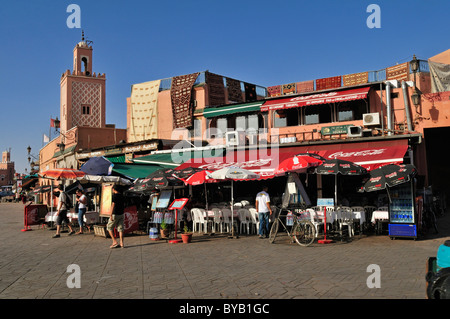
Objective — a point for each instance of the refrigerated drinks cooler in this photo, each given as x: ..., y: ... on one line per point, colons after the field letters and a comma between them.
x: 402, y: 217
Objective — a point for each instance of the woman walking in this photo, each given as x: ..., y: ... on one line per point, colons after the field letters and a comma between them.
x: 82, y: 202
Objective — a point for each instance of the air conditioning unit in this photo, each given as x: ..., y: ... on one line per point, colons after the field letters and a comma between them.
x: 371, y: 119
x: 354, y: 131
x: 235, y: 138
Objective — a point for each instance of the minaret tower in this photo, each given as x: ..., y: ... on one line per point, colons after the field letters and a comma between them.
x: 82, y: 91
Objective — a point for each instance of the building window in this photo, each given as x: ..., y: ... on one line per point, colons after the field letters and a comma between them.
x: 86, y: 109
x: 345, y: 115
x: 287, y: 117
x: 241, y: 123
x: 217, y: 127
x: 351, y: 111
x: 316, y: 114
x: 253, y: 124
x: 222, y: 127
x: 196, y: 130
x: 311, y: 119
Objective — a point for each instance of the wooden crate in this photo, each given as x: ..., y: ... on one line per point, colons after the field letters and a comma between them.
x: 100, y: 230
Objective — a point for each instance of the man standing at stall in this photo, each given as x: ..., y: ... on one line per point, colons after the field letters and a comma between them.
x: 263, y: 206
x: 117, y: 217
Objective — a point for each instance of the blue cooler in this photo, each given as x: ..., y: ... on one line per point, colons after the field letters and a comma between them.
x: 443, y: 255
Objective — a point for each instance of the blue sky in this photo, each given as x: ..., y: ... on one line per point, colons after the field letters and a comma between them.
x: 261, y: 42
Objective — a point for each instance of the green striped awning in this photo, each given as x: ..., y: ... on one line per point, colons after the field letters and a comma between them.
x: 116, y: 159
x: 135, y: 170
x: 175, y: 158
x: 232, y: 109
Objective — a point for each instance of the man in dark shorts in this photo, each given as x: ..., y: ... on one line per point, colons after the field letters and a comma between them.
x: 61, y: 214
x: 117, y: 216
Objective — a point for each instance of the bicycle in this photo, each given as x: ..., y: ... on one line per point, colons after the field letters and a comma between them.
x: 302, y: 230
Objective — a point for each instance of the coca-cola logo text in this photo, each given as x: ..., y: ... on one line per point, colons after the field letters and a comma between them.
x: 357, y: 153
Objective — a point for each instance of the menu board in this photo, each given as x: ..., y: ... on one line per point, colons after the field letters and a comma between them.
x: 106, y: 201
x: 179, y: 203
x: 154, y: 201
x: 325, y: 202
x: 164, y: 199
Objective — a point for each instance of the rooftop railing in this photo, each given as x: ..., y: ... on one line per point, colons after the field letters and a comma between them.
x: 166, y: 84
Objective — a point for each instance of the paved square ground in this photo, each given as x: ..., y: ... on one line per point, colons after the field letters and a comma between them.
x: 34, y: 265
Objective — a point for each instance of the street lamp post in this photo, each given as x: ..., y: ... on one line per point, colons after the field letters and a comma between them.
x: 32, y: 163
x: 57, y: 126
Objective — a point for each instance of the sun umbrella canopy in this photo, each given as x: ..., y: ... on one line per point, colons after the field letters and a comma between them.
x: 187, y: 172
x: 389, y: 175
x: 161, y: 178
x: 297, y: 163
x: 97, y: 166
x: 138, y: 186
x: 41, y: 189
x: 233, y: 173
x: 398, y: 174
x: 339, y: 166
x: 62, y: 173
x: 199, y: 177
x: 98, y: 179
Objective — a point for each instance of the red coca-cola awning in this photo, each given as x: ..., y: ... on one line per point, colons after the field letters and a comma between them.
x: 263, y: 161
x: 369, y: 155
x: 315, y: 99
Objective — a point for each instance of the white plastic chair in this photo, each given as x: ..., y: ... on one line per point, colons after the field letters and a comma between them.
x: 218, y: 220
x: 254, y: 218
x: 345, y: 218
x: 245, y: 203
x: 244, y: 218
x: 359, y: 221
x: 331, y: 216
x: 226, y: 214
x: 195, y: 219
x: 315, y: 220
x: 199, y: 218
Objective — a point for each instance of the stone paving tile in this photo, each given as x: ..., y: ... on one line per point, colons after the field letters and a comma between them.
x: 34, y: 265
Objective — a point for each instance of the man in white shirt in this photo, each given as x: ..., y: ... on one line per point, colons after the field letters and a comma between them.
x: 263, y: 207
x: 61, y: 213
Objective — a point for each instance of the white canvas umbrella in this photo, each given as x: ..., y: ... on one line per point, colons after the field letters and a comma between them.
x: 233, y: 173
